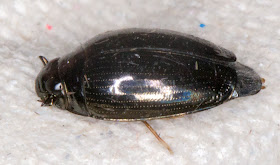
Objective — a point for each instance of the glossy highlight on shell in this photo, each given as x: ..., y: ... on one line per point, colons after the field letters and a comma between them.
x: 142, y: 74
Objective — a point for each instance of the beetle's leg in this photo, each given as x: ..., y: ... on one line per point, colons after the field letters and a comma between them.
x: 70, y: 93
x: 44, y: 60
x: 65, y: 90
x: 66, y: 94
x: 157, y: 136
x: 51, y: 102
x: 47, y: 102
x: 85, y: 76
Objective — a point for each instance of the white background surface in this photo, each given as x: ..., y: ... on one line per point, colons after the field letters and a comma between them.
x: 242, y: 131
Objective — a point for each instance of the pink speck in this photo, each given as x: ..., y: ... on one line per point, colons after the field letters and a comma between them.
x: 49, y: 27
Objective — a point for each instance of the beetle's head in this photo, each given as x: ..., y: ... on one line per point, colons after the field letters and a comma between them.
x: 49, y: 86
x: 248, y: 81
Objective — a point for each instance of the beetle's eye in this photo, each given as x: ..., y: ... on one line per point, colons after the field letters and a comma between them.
x: 57, y: 87
x: 53, y: 86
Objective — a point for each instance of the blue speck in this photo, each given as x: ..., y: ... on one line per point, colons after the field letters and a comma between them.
x: 202, y: 25
x: 184, y: 96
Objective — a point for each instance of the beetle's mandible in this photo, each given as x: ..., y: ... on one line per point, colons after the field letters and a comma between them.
x: 142, y: 74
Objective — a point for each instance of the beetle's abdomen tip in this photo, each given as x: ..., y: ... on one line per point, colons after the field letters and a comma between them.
x: 248, y: 81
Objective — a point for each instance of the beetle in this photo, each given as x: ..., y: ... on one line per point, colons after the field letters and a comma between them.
x: 142, y: 74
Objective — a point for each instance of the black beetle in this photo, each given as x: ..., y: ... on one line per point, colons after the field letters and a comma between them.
x: 141, y: 74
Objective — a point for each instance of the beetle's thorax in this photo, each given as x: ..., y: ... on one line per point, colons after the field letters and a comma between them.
x: 71, y: 73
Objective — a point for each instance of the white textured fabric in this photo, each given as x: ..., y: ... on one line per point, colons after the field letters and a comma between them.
x: 242, y: 131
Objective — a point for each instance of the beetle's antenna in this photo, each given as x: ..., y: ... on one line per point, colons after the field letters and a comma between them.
x: 158, y: 138
x: 44, y: 60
